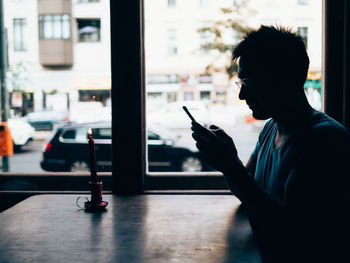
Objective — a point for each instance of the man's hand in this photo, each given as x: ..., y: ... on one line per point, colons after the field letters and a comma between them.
x: 217, y: 147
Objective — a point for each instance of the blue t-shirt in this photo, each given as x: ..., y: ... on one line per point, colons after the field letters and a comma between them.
x: 304, y: 202
x: 310, y: 157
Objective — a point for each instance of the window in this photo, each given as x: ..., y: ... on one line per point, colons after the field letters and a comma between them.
x: 172, y: 42
x: 130, y: 112
x: 171, y: 3
x: 205, y: 95
x: 303, y: 32
x: 54, y: 26
x: 19, y: 34
x: 203, y: 77
x: 188, y: 95
x: 89, y: 30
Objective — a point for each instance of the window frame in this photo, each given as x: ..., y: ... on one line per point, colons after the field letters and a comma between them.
x: 129, y: 148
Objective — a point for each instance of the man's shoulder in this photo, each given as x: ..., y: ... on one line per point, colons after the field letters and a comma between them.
x: 324, y: 125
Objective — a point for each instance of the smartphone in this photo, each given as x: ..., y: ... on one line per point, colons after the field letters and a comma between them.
x: 189, y: 114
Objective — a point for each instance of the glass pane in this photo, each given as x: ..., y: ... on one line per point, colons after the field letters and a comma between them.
x: 59, y: 88
x: 57, y: 26
x: 188, y: 62
x: 48, y: 26
x: 65, y: 27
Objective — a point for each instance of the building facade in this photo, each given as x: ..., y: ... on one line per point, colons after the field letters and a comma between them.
x: 59, y: 50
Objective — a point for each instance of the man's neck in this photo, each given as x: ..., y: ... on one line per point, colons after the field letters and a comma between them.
x: 294, y: 119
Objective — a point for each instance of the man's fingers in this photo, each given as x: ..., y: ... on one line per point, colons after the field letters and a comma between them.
x: 200, y: 138
x: 204, y: 132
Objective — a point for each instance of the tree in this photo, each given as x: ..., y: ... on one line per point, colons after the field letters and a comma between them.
x: 232, y: 23
x: 17, y: 75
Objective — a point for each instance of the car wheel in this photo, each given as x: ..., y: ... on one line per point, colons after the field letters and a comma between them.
x: 79, y: 166
x: 191, y: 164
x: 17, y: 148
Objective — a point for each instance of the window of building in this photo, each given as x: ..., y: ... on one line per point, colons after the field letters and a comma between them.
x: 89, y: 30
x: 188, y: 95
x: 172, y: 42
x: 19, y: 34
x: 54, y: 26
x: 303, y: 32
x: 171, y: 3
x: 205, y: 95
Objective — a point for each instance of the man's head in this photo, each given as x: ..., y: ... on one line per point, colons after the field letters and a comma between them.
x: 273, y: 63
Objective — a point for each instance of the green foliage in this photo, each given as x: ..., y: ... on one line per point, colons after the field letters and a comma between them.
x: 232, y: 20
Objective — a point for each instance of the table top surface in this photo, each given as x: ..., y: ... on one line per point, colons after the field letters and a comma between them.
x: 141, y: 228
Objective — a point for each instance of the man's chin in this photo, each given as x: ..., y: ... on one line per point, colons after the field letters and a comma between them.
x: 261, y: 115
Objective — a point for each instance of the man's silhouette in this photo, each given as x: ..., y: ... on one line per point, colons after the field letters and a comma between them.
x: 294, y: 185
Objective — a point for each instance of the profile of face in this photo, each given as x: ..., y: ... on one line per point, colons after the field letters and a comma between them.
x: 254, y: 92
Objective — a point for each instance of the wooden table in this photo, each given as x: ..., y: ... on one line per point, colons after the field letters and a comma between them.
x: 142, y: 228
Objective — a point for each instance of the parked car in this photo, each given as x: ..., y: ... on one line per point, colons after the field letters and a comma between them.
x: 21, y: 131
x: 172, y: 116
x: 67, y: 150
x: 45, y: 120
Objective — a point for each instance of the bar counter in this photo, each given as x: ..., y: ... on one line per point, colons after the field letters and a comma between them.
x: 141, y: 228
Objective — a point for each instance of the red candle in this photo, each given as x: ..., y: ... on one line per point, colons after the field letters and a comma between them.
x: 92, y: 154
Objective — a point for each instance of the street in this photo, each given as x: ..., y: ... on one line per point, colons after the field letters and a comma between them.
x: 28, y: 158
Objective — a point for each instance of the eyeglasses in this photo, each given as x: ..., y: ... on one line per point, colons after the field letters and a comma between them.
x: 241, y: 82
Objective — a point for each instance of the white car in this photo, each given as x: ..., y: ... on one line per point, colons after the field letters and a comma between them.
x: 21, y: 131
x: 172, y: 115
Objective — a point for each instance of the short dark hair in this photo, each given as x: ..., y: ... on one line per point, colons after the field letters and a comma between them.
x: 277, y: 49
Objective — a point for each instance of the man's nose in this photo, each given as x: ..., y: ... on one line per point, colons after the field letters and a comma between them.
x: 242, y: 94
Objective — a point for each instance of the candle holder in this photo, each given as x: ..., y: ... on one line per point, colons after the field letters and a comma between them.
x: 96, y: 203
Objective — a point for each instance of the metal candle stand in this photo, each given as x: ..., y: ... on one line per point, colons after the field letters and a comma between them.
x: 96, y: 203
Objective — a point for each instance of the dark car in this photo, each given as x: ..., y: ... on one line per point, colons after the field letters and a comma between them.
x: 45, y: 120
x: 67, y: 150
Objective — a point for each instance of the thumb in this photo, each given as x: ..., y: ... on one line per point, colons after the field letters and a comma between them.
x: 219, y: 132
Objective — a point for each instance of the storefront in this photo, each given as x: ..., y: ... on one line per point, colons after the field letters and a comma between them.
x: 93, y: 89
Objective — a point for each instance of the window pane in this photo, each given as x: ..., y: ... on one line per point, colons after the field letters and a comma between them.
x: 48, y: 26
x: 19, y: 34
x: 193, y: 44
x: 88, y: 30
x: 57, y: 26
x: 65, y: 27
x: 59, y: 89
